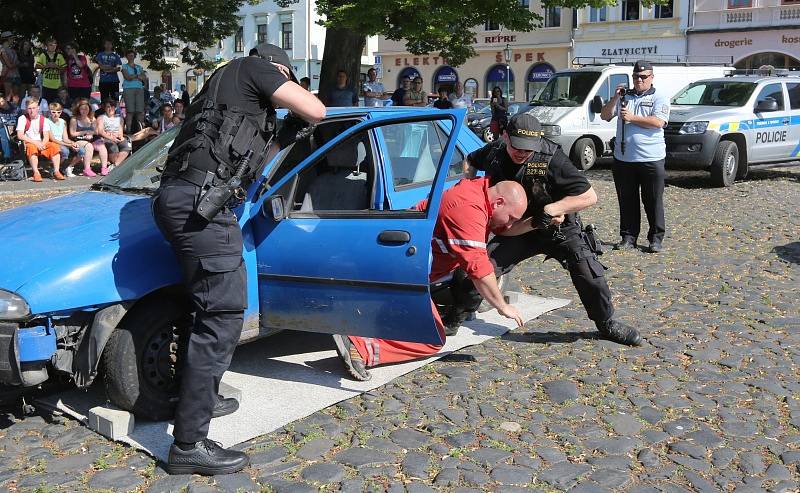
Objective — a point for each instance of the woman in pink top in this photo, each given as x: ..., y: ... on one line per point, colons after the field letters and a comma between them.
x: 79, y: 81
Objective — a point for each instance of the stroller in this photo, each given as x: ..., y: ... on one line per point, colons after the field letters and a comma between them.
x: 14, y: 169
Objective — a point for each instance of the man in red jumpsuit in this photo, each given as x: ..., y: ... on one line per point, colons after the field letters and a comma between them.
x: 469, y: 212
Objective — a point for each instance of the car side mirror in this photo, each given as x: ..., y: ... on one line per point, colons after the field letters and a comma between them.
x: 768, y: 104
x: 275, y: 210
x: 596, y: 106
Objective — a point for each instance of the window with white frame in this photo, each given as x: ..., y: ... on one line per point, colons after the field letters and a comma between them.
x: 552, y: 17
x: 630, y: 10
x: 491, y: 26
x: 238, y: 40
x: 664, y: 11
x: 261, y: 33
x: 286, y: 35
x: 598, y: 14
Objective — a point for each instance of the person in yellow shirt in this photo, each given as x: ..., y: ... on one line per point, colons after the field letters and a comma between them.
x: 52, y: 65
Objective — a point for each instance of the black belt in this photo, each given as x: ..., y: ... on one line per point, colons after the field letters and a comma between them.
x: 192, y: 175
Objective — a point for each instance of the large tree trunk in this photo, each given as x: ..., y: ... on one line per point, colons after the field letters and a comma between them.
x: 343, y: 50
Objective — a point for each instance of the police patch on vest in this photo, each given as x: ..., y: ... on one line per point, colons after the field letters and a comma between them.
x: 538, y: 168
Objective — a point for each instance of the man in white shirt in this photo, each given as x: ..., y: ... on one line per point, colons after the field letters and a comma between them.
x: 374, y: 93
x: 459, y: 99
x: 33, y: 130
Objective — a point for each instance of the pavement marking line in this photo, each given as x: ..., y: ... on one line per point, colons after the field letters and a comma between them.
x: 279, y: 386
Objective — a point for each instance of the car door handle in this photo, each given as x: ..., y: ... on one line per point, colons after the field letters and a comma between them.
x: 394, y: 237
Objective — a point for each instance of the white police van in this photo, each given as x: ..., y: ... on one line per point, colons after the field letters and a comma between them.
x: 726, y: 124
x: 569, y: 105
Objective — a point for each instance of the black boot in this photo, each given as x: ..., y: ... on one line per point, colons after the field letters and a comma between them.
x: 627, y: 243
x: 207, y: 457
x: 225, y: 406
x: 619, y: 332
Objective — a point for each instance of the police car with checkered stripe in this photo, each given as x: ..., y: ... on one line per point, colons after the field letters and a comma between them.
x: 730, y: 123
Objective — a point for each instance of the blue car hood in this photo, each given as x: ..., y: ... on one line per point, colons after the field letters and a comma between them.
x: 82, y: 250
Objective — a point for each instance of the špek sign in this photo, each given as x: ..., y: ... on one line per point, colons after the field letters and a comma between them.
x: 638, y: 50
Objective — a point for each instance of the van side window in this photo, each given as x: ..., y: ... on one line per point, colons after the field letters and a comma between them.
x: 604, y: 91
x: 774, y: 91
x: 794, y: 95
x: 618, y: 79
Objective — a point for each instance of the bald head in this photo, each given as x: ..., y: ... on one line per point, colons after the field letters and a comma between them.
x: 509, y: 202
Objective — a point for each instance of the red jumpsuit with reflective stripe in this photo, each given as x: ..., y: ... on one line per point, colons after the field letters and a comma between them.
x: 459, y: 240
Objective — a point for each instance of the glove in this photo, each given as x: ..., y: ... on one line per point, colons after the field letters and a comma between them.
x: 294, y: 128
x: 541, y: 220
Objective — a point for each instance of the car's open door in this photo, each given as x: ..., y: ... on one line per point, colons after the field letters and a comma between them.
x: 333, y: 254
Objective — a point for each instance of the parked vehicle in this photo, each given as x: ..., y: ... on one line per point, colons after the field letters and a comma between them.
x: 330, y: 246
x: 728, y: 124
x: 569, y: 105
x: 480, y: 124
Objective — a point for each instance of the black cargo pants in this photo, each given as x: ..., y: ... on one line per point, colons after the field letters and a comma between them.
x: 210, y: 257
x: 588, y: 274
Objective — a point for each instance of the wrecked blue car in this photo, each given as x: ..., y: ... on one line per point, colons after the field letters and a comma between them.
x: 89, y: 285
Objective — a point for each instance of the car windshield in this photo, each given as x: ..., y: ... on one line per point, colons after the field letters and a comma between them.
x: 715, y: 93
x: 566, y: 89
x: 139, y: 173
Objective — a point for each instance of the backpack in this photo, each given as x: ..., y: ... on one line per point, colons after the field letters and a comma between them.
x: 13, y: 171
x: 41, y: 125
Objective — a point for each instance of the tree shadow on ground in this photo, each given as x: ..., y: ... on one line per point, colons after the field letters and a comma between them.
x: 789, y: 252
x: 549, y: 337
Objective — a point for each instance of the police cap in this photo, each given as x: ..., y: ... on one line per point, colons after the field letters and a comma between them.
x: 641, y: 66
x: 525, y: 132
x: 274, y: 54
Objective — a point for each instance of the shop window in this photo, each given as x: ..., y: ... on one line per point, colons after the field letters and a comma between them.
x: 261, y: 30
x: 552, y: 17
x: 773, y: 91
x: 794, y: 95
x: 491, y: 26
x: 664, y: 11
x: 286, y: 35
x: 740, y: 4
x: 238, y: 40
x: 471, y: 88
x: 630, y: 10
x: 598, y: 14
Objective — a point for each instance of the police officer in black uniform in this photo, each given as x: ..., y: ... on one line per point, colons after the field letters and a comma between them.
x: 228, y: 133
x: 557, y: 191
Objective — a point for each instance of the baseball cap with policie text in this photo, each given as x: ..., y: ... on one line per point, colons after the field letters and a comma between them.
x: 525, y: 132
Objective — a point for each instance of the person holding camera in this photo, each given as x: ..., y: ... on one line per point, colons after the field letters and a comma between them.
x: 228, y: 133
x: 639, y: 153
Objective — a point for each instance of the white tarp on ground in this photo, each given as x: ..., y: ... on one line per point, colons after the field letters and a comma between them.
x: 291, y: 375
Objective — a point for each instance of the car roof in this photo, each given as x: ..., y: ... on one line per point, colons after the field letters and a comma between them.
x: 755, y: 79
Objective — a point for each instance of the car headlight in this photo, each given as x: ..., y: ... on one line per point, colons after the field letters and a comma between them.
x: 551, y: 130
x: 13, y: 307
x: 690, y: 128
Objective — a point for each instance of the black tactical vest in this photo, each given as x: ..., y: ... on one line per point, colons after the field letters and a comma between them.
x: 216, y: 135
x: 532, y: 174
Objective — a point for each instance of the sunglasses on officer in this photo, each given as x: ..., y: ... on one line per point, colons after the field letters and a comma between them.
x: 642, y: 76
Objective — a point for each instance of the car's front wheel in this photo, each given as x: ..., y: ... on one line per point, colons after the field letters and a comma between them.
x: 142, y: 361
x: 488, y: 136
x: 584, y: 153
x: 725, y: 165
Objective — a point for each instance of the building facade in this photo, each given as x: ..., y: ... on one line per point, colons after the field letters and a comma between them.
x: 293, y: 28
x: 753, y: 32
x: 534, y: 56
x: 632, y: 31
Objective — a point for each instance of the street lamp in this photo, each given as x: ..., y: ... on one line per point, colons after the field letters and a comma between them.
x: 507, y: 53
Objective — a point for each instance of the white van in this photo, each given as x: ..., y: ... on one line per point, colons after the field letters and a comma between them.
x: 569, y: 105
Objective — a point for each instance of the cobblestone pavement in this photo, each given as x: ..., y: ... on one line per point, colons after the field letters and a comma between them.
x: 710, y: 403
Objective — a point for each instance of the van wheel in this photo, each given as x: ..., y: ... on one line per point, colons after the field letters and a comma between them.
x: 141, y: 359
x: 725, y: 164
x: 584, y: 153
x: 488, y: 136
